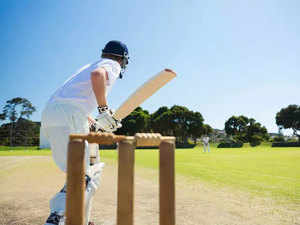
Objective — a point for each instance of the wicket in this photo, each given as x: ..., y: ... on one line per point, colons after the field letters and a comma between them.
x: 125, y: 203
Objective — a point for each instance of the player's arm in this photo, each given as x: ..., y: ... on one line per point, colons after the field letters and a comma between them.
x: 98, y: 79
x: 104, y: 120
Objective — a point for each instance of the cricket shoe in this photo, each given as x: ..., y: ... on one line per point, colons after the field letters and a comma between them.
x: 55, y: 219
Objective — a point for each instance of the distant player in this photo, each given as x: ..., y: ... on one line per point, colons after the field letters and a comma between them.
x: 69, y: 111
x: 205, y: 141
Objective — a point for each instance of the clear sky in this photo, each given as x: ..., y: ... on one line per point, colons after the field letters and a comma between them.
x: 231, y: 57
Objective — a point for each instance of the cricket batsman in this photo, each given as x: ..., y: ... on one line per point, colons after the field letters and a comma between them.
x: 69, y: 111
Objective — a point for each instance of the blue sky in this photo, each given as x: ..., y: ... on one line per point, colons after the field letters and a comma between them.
x: 231, y: 57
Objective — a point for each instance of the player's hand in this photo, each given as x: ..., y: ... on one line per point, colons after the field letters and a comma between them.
x: 105, y: 120
x: 92, y: 124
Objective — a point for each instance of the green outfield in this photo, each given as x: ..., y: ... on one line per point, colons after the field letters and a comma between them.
x: 265, y: 171
x: 273, y: 172
x: 23, y: 151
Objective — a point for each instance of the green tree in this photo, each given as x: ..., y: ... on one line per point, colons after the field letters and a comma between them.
x: 135, y: 122
x: 289, y: 117
x: 186, y: 123
x: 161, y: 121
x: 255, y: 130
x: 14, y: 110
x: 245, y: 129
x: 196, y: 126
x: 207, y: 129
x: 17, y: 108
x: 26, y: 133
x: 181, y: 120
x: 178, y: 121
x: 255, y: 140
x: 236, y: 126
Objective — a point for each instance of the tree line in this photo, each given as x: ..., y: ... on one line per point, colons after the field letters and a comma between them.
x: 179, y: 121
x: 176, y: 121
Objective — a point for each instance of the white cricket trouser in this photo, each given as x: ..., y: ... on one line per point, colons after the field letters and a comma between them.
x: 206, y: 147
x: 58, y: 122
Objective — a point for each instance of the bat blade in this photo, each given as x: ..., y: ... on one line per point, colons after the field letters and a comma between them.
x: 144, y: 92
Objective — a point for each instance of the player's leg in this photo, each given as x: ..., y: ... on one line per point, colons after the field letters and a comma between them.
x: 55, y: 129
x: 62, y: 121
x: 58, y: 142
x: 92, y: 184
x: 93, y: 172
x: 58, y: 123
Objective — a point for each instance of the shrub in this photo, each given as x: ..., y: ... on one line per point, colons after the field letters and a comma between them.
x: 230, y: 145
x: 254, y: 143
x: 292, y: 140
x: 185, y: 145
x: 4, y: 141
x: 286, y: 144
x: 278, y: 139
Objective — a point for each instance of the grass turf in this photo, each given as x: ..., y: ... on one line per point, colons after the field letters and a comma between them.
x: 266, y: 171
x: 23, y: 151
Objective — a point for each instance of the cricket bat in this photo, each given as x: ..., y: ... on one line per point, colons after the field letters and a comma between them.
x: 144, y: 92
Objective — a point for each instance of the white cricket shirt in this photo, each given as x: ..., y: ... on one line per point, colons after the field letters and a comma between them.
x: 78, y: 91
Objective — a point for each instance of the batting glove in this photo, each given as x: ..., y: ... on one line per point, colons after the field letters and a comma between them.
x: 105, y: 120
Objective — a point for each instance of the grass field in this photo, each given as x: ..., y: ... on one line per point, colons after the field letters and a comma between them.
x: 264, y: 171
x: 23, y: 151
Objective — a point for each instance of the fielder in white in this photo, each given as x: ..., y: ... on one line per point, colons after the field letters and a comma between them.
x: 205, y: 141
x: 69, y: 111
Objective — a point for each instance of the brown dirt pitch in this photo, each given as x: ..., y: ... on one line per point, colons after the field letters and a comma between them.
x: 28, y: 183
